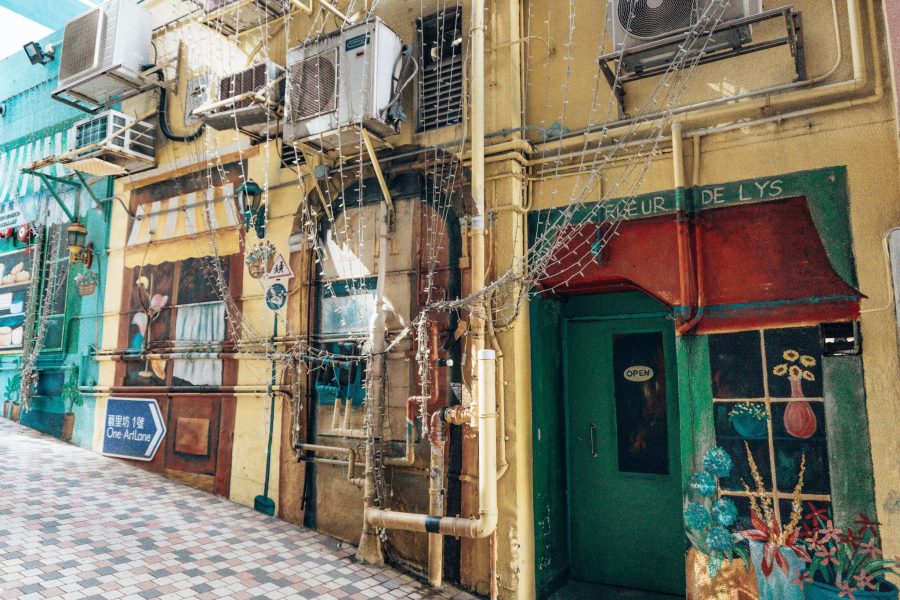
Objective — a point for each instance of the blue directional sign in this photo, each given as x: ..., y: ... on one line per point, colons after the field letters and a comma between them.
x: 132, y: 428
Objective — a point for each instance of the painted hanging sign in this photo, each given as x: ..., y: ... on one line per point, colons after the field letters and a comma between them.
x: 280, y: 269
x: 133, y: 428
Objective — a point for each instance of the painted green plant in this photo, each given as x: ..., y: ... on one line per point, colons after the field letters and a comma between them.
x: 754, y: 410
x: 70, y: 395
x: 11, y: 392
x: 708, y: 518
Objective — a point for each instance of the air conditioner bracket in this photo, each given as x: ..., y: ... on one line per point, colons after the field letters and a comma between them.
x: 616, y: 77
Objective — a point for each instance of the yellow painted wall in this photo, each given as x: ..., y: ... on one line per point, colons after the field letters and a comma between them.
x: 559, y: 87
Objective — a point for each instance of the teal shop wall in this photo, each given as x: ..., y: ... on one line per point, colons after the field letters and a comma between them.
x: 32, y: 115
x: 81, y: 335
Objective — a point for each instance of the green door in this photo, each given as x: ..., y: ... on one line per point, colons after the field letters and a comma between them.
x: 624, y: 462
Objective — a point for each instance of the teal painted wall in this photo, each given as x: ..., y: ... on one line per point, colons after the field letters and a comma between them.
x: 31, y: 115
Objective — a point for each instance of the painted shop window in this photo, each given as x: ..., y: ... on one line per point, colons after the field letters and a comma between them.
x: 15, y: 285
x: 176, y: 307
x: 642, y: 432
x: 768, y: 403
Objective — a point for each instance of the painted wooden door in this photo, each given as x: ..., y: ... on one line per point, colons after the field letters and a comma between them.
x: 624, y: 462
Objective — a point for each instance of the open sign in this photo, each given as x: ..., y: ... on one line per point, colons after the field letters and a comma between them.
x: 638, y: 373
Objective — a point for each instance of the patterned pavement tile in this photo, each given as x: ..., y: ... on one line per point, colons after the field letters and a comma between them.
x: 77, y: 525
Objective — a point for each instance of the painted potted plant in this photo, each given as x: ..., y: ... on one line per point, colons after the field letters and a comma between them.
x: 750, y: 420
x: 87, y: 282
x: 71, y: 398
x: 776, y: 551
x: 799, y: 419
x: 11, y: 407
x: 718, y: 561
x: 260, y: 259
x: 845, y: 564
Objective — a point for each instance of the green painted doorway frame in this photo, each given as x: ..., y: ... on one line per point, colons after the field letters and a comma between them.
x: 551, y: 485
x: 624, y: 500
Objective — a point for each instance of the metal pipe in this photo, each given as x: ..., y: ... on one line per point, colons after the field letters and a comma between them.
x: 351, y: 458
x: 187, y: 389
x: 370, y: 550
x: 486, y: 521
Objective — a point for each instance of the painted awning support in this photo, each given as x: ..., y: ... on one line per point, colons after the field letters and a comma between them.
x: 47, y: 179
x: 87, y: 188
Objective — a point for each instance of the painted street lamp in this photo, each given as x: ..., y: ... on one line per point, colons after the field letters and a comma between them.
x: 76, y: 236
x: 250, y: 199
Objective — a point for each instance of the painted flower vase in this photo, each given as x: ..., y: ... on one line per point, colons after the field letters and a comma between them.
x: 749, y: 427
x: 778, y: 585
x: 799, y: 418
x: 822, y: 591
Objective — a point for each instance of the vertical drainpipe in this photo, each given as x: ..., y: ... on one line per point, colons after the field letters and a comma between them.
x: 370, y: 549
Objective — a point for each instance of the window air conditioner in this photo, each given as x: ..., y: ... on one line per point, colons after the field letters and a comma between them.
x: 636, y: 22
x: 342, y: 79
x: 259, y: 114
x: 103, y: 52
x: 234, y: 16
x: 94, y: 152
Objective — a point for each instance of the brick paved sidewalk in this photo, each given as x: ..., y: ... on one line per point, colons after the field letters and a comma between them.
x: 74, y: 524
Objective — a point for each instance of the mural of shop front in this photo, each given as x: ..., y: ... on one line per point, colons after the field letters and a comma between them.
x: 425, y: 238
x: 175, y: 344
x: 702, y: 376
x: 49, y: 308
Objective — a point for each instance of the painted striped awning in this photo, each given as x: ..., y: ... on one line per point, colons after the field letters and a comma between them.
x: 15, y: 184
x: 184, y: 215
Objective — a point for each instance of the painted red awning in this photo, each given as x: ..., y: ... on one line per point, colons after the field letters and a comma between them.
x: 761, y: 264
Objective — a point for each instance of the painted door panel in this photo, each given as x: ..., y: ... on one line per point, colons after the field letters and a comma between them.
x: 624, y: 461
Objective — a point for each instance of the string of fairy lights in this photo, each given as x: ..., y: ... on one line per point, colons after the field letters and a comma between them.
x: 626, y: 151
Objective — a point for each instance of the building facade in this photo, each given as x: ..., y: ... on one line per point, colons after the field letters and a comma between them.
x: 650, y: 261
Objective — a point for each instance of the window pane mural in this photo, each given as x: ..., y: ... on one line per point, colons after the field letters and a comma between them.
x: 768, y: 400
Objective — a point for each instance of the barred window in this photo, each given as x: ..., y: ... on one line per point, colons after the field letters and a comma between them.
x: 440, y: 97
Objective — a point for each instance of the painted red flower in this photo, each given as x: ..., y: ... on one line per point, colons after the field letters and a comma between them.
x: 870, y: 549
x: 846, y: 590
x: 864, y: 581
x: 801, y: 578
x: 830, y: 533
x: 866, y: 524
x: 827, y: 555
x: 815, y: 514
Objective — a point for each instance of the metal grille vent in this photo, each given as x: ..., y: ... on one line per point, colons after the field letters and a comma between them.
x: 441, y: 84
x: 313, y: 86
x: 80, y: 43
x: 653, y: 18
x: 249, y: 80
x: 91, y: 132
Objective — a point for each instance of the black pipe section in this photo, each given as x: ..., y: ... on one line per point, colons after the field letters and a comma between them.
x: 164, y: 118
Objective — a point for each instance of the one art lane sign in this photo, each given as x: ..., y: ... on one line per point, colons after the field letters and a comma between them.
x: 132, y: 428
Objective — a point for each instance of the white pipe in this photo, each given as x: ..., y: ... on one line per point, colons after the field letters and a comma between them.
x: 484, y: 524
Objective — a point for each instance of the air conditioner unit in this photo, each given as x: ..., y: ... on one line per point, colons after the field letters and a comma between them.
x: 130, y: 150
x: 637, y: 22
x: 234, y: 16
x: 342, y: 79
x: 259, y: 114
x: 103, y: 52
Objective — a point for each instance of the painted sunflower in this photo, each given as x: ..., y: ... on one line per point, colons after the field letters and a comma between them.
x: 780, y: 370
x: 795, y: 372
x: 807, y: 375
x: 791, y: 355
x: 807, y: 361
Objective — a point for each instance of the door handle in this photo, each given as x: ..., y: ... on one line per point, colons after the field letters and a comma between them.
x: 593, y: 448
